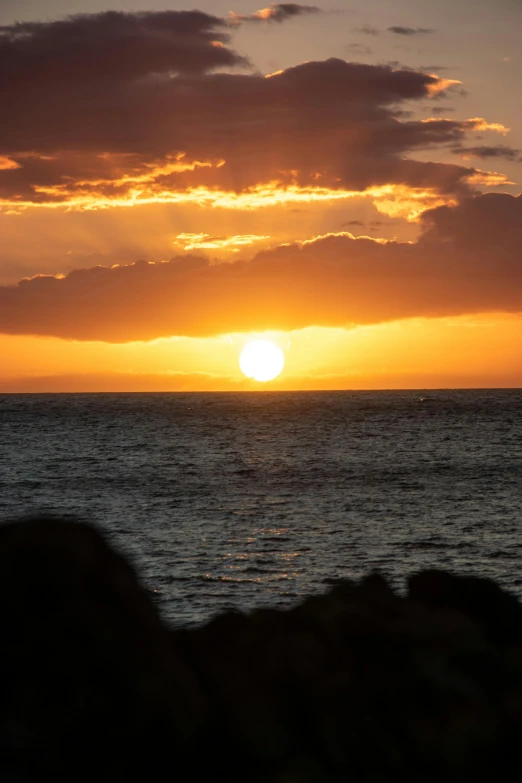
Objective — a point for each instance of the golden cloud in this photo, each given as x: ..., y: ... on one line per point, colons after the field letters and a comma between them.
x: 466, y: 260
x: 189, y: 241
x: 392, y: 200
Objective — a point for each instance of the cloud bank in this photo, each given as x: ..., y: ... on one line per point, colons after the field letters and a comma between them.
x: 111, y: 47
x: 468, y: 259
x: 114, y: 109
x: 398, y: 30
x: 500, y: 151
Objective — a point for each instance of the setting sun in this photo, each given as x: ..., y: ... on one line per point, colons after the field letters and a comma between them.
x: 261, y: 360
x: 147, y: 255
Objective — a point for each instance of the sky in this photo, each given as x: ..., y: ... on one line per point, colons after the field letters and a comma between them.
x: 341, y: 178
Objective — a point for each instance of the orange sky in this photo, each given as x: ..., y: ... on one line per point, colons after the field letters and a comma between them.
x: 165, y: 204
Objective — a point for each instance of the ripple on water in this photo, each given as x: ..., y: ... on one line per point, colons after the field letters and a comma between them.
x: 259, y: 499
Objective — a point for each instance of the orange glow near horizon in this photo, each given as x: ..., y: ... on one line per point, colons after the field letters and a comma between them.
x: 464, y: 351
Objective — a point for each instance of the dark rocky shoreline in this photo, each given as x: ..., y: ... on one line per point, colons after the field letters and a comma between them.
x: 358, y: 685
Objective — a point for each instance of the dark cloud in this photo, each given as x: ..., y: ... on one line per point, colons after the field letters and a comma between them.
x: 115, y: 106
x: 485, y: 231
x: 331, y: 124
x: 110, y: 47
x: 433, y: 68
x: 372, y: 225
x: 398, y: 30
x: 357, y: 48
x: 276, y: 12
x: 397, y: 64
x: 367, y: 29
x: 501, y: 151
x: 468, y: 259
x: 439, y: 110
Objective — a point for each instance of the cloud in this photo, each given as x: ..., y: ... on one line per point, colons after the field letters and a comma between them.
x: 398, y: 65
x: 440, y: 110
x: 480, y: 124
x: 467, y: 260
x: 367, y: 29
x: 6, y: 164
x: 276, y: 12
x: 432, y: 68
x: 110, y: 47
x: 357, y: 48
x: 167, y: 139
x: 154, y: 119
x: 398, y: 30
x: 372, y: 225
x: 233, y: 244
x: 485, y: 152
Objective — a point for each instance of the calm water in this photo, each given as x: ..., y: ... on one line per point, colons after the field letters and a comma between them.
x: 259, y: 499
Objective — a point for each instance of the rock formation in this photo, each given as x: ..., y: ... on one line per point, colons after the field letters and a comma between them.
x: 358, y: 685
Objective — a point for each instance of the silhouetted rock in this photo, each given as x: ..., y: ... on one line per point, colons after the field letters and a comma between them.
x: 359, y: 684
x: 498, y: 613
x: 86, y: 667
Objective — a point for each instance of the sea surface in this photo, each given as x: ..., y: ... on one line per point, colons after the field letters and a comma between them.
x: 259, y: 499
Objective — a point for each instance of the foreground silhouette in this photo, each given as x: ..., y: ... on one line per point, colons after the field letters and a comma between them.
x: 357, y: 685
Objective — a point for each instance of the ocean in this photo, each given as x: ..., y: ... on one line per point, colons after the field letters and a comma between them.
x: 259, y: 499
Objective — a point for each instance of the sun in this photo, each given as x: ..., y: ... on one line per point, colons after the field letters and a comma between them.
x: 261, y: 360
